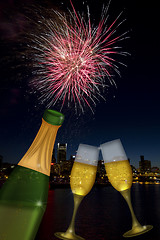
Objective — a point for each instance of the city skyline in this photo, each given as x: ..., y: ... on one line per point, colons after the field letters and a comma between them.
x: 60, y: 155
x: 131, y: 111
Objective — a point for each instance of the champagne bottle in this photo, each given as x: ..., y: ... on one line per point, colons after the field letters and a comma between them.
x: 23, y: 197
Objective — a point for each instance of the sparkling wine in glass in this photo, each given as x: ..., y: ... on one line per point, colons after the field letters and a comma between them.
x: 119, y: 174
x: 82, y: 179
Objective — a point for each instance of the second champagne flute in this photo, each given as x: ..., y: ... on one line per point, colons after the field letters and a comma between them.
x: 82, y: 179
x: 119, y: 174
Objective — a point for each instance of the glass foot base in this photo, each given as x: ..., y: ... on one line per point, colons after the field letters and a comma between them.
x: 137, y: 231
x: 67, y: 235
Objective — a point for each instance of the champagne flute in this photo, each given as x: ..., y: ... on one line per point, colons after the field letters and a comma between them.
x: 119, y: 174
x: 82, y: 179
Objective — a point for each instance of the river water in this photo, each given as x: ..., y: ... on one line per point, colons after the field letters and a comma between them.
x: 103, y: 213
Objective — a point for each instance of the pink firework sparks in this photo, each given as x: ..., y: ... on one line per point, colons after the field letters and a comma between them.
x: 74, y: 59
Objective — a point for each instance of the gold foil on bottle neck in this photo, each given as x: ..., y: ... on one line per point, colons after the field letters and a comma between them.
x: 38, y: 157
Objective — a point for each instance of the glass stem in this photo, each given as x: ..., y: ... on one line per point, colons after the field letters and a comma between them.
x: 77, y: 201
x: 127, y: 196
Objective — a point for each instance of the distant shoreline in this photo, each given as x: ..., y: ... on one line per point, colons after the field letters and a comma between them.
x: 99, y: 185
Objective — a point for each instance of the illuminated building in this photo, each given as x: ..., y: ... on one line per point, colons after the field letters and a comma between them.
x: 61, y: 152
x: 53, y: 157
x: 55, y: 169
x: 53, y: 161
x: 144, y: 165
x: 101, y: 168
x: 66, y: 168
x: 101, y: 176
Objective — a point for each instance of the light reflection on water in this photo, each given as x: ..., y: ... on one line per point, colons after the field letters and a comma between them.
x: 103, y: 213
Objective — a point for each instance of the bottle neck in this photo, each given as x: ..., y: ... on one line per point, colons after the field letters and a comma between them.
x: 38, y: 157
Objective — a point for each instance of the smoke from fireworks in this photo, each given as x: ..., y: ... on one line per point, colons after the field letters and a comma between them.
x: 73, y: 59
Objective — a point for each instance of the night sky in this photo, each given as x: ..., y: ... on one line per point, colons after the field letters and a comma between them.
x: 131, y: 111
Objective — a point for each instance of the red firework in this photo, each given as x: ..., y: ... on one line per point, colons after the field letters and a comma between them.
x: 75, y: 59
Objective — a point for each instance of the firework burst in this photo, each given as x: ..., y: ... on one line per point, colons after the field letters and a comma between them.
x: 74, y: 60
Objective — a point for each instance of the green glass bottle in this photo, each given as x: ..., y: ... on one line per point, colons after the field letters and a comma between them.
x: 23, y: 197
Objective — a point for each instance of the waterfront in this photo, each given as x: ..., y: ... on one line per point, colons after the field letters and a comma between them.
x: 103, y: 214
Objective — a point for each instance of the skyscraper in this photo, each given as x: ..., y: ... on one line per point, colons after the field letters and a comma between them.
x: 61, y: 152
x: 144, y: 165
